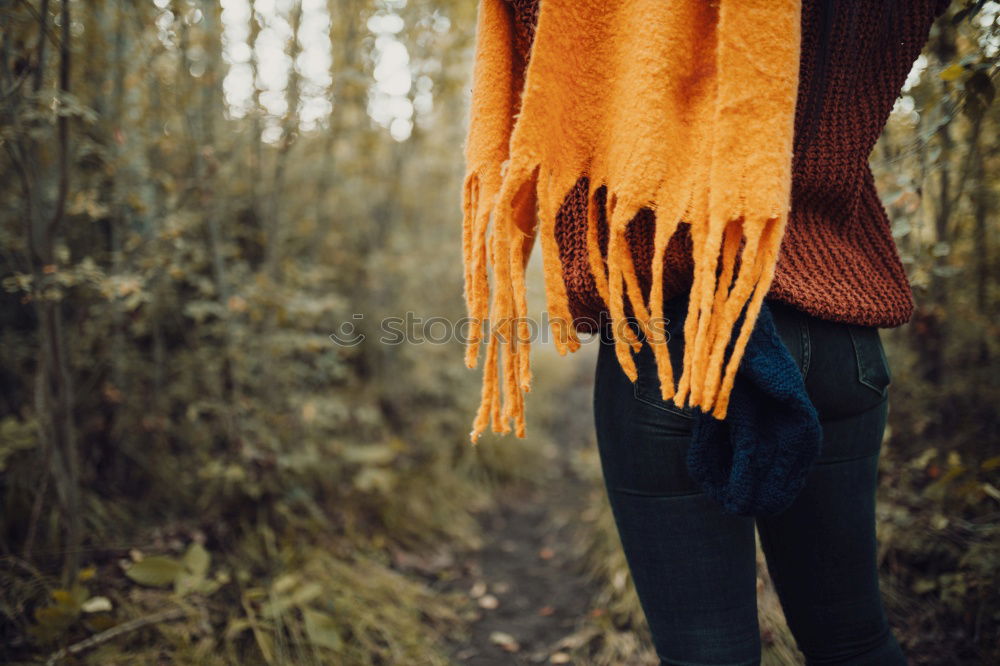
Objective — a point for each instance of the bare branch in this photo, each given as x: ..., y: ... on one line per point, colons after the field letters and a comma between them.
x: 43, y: 30
x: 114, y: 632
x: 64, y: 71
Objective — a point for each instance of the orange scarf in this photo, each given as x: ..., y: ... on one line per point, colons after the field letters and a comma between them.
x: 686, y: 108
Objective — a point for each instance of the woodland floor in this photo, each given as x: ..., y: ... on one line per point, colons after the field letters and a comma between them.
x: 530, y: 594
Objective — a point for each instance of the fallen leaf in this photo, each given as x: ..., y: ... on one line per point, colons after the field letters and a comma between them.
x: 155, y: 571
x: 427, y: 563
x: 322, y: 629
x: 96, y: 605
x: 197, y: 559
x: 505, y: 641
x: 952, y: 72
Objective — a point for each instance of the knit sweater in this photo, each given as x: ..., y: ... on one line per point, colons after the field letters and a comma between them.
x: 838, y: 260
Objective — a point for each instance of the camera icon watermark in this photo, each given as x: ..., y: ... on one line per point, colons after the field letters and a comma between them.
x: 347, y: 334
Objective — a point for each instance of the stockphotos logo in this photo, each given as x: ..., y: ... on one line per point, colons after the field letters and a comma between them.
x: 414, y: 329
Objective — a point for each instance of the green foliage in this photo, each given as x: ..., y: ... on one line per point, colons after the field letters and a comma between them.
x: 16, y: 437
x: 239, y: 478
x: 155, y: 571
x: 187, y: 574
x: 66, y: 607
x: 939, y: 537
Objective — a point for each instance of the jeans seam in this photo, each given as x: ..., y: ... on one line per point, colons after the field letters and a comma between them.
x: 661, y: 405
x: 884, y: 637
x: 806, y: 348
x: 658, y: 403
x: 877, y: 405
x: 831, y: 461
x: 639, y: 493
x: 824, y: 461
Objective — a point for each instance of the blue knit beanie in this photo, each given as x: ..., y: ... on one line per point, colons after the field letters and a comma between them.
x: 756, y: 461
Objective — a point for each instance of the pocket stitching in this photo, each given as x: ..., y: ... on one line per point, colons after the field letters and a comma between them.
x: 659, y: 403
x: 649, y: 393
x: 862, y: 374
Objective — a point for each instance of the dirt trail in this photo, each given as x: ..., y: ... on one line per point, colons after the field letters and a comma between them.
x: 529, y: 594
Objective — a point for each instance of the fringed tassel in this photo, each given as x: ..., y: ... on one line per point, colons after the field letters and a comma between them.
x: 523, y: 236
x: 489, y: 406
x: 502, y: 318
x: 667, y: 220
x: 511, y: 155
x: 477, y: 254
x: 625, y: 338
x: 652, y: 331
x: 470, y: 193
x: 557, y: 301
x: 494, y: 252
x: 706, y: 246
x: 512, y: 391
x: 598, y: 267
x: 729, y: 306
x: 696, y: 214
x: 632, y: 288
x: 732, y: 240
x: 508, y: 369
x: 736, y: 268
x: 474, y: 260
x: 766, y: 263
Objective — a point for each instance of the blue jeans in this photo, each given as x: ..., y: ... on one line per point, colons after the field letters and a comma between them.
x: 694, y: 566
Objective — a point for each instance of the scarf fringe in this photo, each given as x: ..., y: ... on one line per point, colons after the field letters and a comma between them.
x: 733, y: 271
x: 733, y: 193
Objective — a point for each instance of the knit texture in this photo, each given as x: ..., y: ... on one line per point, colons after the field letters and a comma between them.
x: 651, y: 101
x: 838, y: 260
x: 756, y: 461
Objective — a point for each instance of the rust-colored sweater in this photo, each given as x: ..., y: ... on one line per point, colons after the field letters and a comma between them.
x: 838, y: 260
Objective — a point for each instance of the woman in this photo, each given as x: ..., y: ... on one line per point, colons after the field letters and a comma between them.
x: 837, y: 280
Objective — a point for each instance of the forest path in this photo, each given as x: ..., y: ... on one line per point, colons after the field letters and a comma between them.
x: 530, y: 594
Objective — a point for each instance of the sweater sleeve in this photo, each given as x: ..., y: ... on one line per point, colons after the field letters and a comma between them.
x: 881, y: 49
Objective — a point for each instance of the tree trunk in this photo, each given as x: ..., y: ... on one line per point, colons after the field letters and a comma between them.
x: 289, y: 128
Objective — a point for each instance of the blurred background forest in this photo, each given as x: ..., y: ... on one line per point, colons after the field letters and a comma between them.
x: 196, y: 194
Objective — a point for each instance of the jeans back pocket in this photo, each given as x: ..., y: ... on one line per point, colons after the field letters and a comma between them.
x: 647, y: 384
x: 873, y: 366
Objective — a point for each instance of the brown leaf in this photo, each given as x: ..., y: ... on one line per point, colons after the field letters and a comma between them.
x: 505, y: 641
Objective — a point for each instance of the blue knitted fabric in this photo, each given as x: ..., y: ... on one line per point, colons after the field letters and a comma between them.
x: 755, y: 462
